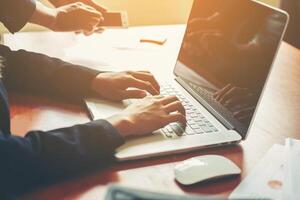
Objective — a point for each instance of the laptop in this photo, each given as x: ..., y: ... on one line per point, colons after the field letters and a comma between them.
x: 223, y: 64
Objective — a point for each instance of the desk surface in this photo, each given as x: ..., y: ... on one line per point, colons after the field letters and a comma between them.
x: 278, y: 117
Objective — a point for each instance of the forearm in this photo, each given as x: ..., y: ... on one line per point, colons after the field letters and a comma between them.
x: 75, y: 148
x: 44, y: 16
x: 43, y: 157
x: 40, y: 74
x: 58, y: 3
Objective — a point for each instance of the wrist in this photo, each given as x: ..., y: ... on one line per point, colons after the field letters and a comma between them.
x: 97, y: 81
x: 53, y: 19
x: 44, y: 16
x: 58, y: 3
x: 122, y: 124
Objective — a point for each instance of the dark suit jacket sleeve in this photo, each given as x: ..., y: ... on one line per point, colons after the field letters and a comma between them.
x: 44, y: 156
x: 37, y: 73
x: 16, y: 13
x: 27, y: 162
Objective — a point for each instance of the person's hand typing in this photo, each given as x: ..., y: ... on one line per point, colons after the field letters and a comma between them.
x: 125, y: 85
x: 148, y: 115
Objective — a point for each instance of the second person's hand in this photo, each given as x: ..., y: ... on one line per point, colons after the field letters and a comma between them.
x: 76, y: 17
x: 91, y: 3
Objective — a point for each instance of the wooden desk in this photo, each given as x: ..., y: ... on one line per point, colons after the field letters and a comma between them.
x: 278, y: 117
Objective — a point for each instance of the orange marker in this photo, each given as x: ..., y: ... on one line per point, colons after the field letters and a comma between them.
x: 158, y: 42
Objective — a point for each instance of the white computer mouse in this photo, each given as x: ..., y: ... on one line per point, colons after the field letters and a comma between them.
x: 203, y: 168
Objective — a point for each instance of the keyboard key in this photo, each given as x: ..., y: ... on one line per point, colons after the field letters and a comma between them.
x: 193, y: 115
x: 169, y: 129
x: 166, y: 133
x: 201, y: 123
x: 197, y: 122
x: 189, y: 131
x: 195, y: 126
x: 169, y: 135
x: 210, y: 125
x: 214, y: 129
x: 199, y: 131
x: 177, y: 129
x: 206, y: 129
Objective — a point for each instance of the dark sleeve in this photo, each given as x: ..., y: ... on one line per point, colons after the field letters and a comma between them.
x: 39, y: 157
x: 38, y: 73
x: 14, y: 14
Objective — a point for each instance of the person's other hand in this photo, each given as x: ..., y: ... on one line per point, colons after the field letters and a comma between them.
x: 125, y: 85
x: 101, y: 9
x: 77, y: 17
x: 148, y: 115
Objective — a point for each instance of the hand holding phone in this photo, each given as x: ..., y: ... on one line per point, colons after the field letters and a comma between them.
x: 115, y: 20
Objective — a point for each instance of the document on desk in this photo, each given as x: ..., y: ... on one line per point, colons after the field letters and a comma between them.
x: 291, y: 178
x: 266, y: 179
x: 123, y: 48
x: 113, y: 50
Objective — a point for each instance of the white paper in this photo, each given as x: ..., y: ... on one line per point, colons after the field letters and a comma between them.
x: 114, y: 49
x: 265, y: 180
x: 291, y: 187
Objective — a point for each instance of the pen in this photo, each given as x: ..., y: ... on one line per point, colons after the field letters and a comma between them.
x: 158, y: 42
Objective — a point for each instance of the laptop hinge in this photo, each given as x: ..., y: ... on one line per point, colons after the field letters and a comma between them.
x: 202, y: 101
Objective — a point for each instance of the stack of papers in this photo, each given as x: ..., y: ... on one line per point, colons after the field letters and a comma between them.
x: 291, y: 180
x: 277, y: 176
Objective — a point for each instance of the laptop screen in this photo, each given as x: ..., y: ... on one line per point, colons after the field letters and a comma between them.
x: 226, y: 55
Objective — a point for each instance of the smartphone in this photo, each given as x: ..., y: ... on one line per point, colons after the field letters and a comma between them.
x: 115, y: 19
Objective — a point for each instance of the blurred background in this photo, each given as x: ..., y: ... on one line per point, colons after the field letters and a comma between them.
x: 147, y: 12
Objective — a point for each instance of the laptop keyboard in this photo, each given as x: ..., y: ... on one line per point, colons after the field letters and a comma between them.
x: 197, y: 123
